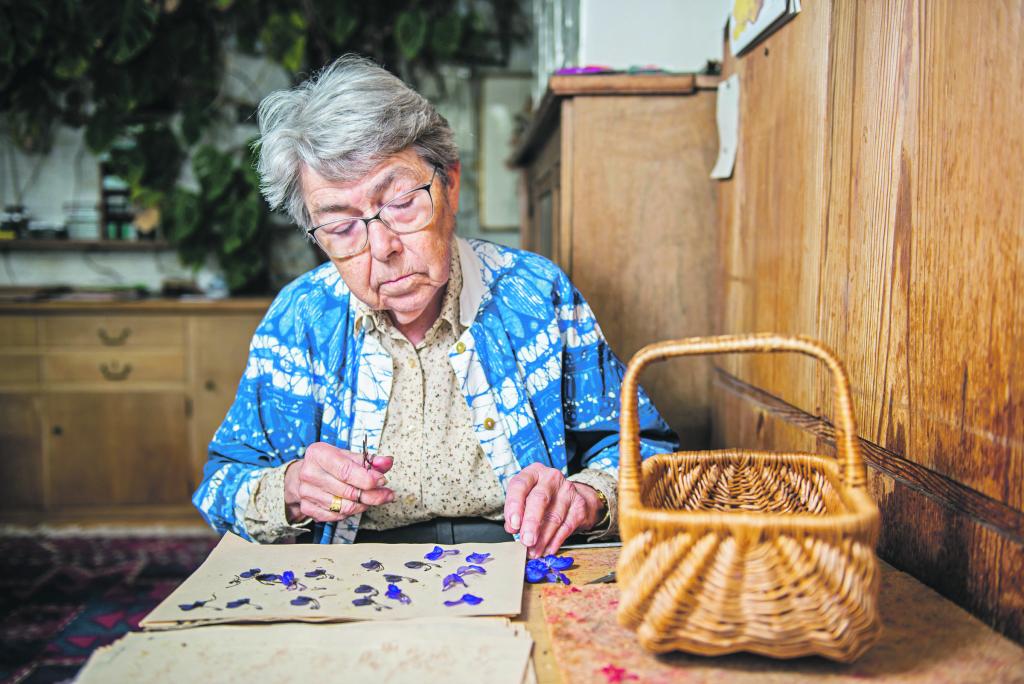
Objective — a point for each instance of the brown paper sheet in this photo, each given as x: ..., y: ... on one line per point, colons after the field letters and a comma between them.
x: 405, y: 652
x: 329, y: 578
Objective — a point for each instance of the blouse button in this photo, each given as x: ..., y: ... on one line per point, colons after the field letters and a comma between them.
x: 489, y: 423
x: 460, y: 347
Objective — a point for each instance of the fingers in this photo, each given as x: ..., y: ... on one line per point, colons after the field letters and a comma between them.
x: 515, y: 497
x: 577, y: 515
x: 538, y: 501
x: 560, y: 519
x: 327, y: 472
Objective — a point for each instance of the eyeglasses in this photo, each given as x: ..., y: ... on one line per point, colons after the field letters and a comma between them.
x: 409, y: 212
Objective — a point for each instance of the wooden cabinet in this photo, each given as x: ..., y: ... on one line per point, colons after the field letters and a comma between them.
x: 106, y: 410
x: 618, y: 194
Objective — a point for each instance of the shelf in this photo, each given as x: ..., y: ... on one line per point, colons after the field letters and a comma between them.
x: 83, y: 245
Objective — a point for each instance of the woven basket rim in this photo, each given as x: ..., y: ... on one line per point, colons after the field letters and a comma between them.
x: 863, y: 515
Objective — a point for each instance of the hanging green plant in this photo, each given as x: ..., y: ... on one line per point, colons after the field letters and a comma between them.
x: 143, y: 78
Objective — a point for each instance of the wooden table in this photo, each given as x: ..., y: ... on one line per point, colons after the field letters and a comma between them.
x: 590, y: 564
x: 925, y: 638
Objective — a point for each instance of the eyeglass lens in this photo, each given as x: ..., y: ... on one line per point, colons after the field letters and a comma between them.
x: 406, y: 213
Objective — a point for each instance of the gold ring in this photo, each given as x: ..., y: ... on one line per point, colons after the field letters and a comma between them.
x: 359, y: 496
x: 336, y: 505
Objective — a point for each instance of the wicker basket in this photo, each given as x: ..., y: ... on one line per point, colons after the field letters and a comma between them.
x: 739, y: 550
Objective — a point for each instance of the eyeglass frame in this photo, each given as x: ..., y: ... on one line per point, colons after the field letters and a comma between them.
x: 376, y: 217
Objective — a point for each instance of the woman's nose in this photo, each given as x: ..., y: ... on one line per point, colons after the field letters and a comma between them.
x: 384, y: 243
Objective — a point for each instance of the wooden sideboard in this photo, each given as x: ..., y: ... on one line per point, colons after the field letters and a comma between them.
x: 617, y: 193
x: 106, y: 409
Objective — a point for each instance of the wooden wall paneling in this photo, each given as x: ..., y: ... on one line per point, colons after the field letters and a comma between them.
x: 643, y: 234
x: 565, y: 234
x: 932, y: 332
x: 781, y: 174
x: 18, y: 331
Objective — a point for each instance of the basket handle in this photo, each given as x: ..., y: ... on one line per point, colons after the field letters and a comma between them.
x: 848, y: 450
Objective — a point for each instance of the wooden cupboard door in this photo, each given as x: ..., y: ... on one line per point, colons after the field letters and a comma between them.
x: 21, y: 478
x: 114, y: 449
x: 220, y: 347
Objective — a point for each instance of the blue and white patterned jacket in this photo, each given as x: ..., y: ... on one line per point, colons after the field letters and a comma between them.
x: 540, y: 380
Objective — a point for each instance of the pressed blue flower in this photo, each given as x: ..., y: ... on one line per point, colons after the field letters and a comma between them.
x: 420, y: 565
x: 268, y: 578
x: 374, y: 565
x: 198, y: 604
x: 439, y: 553
x: 364, y: 601
x: 249, y: 573
x: 451, y: 580
x: 468, y: 599
x: 559, y: 562
x: 548, y: 568
x: 478, y: 557
x: 470, y: 570
x: 395, y: 593
x: 392, y: 579
x: 238, y: 603
x: 287, y: 578
x: 366, y: 589
x: 306, y: 601
x: 313, y: 574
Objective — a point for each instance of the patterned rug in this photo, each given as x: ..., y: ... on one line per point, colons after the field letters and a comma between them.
x: 62, y: 597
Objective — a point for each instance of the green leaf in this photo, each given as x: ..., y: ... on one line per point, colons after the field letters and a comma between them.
x: 70, y: 67
x: 101, y: 130
x: 343, y: 26
x: 411, y: 32
x: 292, y: 59
x: 284, y: 39
x: 132, y: 30
x: 446, y: 34
x: 213, y: 171
x: 181, y: 215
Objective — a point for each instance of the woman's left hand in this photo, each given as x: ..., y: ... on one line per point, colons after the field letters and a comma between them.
x: 545, y: 508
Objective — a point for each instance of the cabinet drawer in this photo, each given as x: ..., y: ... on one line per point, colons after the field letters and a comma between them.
x: 19, y: 369
x: 113, y: 331
x: 17, y: 331
x: 114, y: 368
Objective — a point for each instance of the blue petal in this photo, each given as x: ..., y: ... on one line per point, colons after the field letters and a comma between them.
x: 364, y: 589
x: 319, y: 572
x: 478, y: 557
x: 559, y: 562
x: 287, y: 578
x: 249, y: 573
x: 472, y: 600
x: 470, y: 570
x: 451, y: 580
x: 364, y: 601
x: 237, y: 603
x: 373, y: 565
x: 435, y: 554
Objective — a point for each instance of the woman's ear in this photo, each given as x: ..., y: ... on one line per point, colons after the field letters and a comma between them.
x: 454, y: 174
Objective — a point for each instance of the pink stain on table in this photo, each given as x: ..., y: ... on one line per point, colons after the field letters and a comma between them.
x: 616, y: 675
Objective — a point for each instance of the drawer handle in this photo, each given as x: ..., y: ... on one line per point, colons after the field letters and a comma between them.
x: 112, y: 340
x: 115, y: 372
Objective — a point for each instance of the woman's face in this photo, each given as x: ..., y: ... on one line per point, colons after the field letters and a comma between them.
x: 402, y: 274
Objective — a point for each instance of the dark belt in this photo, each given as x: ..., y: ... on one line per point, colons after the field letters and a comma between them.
x: 439, y: 531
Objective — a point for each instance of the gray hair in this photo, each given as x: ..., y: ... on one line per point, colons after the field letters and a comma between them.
x: 341, y: 123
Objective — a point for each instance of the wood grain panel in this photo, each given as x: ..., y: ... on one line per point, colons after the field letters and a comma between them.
x: 114, y: 368
x: 776, y: 202
x: 19, y: 369
x: 643, y: 233
x: 129, y: 448
x: 113, y: 331
x: 21, y: 476
x: 219, y: 350
x: 926, y: 305
x: 17, y: 331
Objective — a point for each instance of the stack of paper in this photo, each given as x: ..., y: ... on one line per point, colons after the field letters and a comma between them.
x: 414, y: 651
x: 245, y: 582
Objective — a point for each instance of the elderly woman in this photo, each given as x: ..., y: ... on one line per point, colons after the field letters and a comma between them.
x: 418, y: 387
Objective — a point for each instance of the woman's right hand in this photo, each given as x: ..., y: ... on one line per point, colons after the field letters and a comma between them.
x: 312, y: 482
